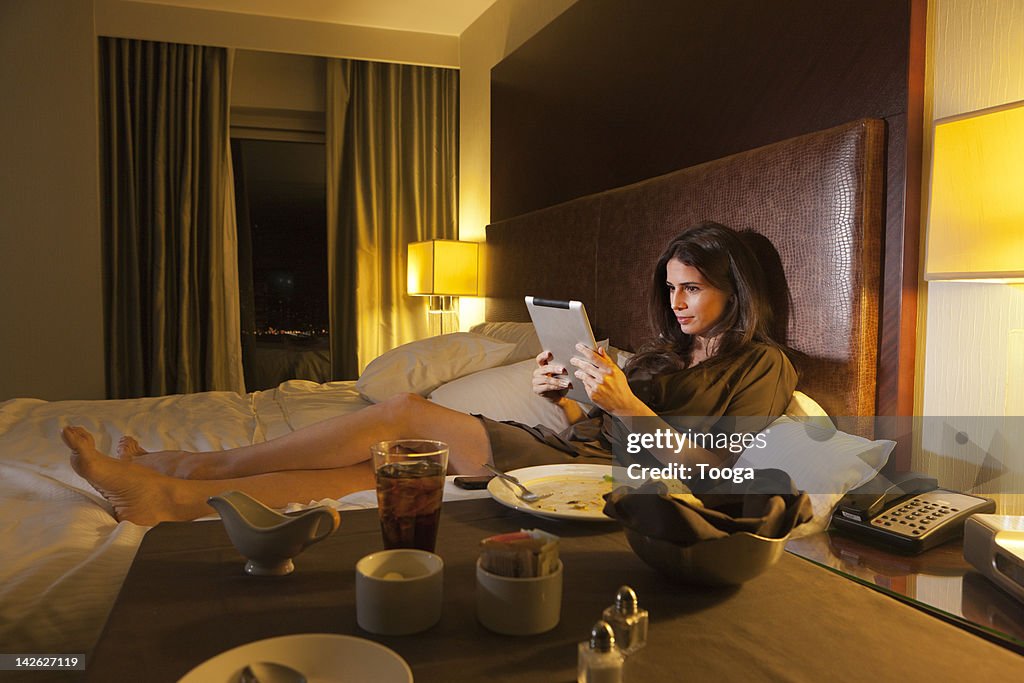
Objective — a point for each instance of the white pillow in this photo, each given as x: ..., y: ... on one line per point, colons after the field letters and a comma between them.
x: 802, y: 405
x: 523, y: 335
x: 422, y: 366
x: 807, y: 409
x: 821, y: 460
x: 502, y: 393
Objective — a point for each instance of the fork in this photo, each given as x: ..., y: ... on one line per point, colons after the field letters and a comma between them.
x: 527, y: 496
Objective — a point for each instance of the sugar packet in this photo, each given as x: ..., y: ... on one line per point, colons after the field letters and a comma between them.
x: 521, y: 554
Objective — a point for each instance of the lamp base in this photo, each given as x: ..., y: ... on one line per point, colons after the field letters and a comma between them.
x: 443, y: 314
x: 441, y: 304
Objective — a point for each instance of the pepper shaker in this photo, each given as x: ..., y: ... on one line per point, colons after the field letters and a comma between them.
x: 627, y: 620
x: 599, y: 660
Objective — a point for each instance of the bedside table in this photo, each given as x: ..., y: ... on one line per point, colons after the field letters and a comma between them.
x: 939, y: 581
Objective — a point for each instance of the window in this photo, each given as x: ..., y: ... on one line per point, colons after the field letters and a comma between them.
x: 280, y: 197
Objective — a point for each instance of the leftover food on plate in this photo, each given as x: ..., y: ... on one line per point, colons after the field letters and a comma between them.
x: 571, y: 493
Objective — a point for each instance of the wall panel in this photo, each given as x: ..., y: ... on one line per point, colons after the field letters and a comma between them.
x: 51, y: 287
x: 979, y: 54
x: 973, y: 331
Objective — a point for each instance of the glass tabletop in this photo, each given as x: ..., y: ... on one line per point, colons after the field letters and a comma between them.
x: 938, y: 580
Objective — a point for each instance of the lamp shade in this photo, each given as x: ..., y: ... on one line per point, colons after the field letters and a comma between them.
x: 976, y: 209
x: 443, y: 268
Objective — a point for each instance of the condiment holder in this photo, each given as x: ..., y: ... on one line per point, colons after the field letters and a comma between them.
x: 399, y: 592
x: 627, y: 620
x: 518, y: 606
x: 268, y: 539
x: 519, y: 583
x: 599, y: 659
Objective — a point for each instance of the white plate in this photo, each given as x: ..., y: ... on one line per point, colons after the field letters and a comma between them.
x: 321, y: 657
x: 576, y: 489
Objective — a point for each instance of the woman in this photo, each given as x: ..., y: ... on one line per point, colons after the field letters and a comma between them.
x: 713, y: 358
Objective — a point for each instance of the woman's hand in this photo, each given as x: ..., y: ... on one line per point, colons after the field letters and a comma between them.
x: 546, y: 382
x: 606, y: 384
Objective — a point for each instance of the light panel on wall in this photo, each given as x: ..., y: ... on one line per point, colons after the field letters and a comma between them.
x: 442, y: 270
x: 976, y: 210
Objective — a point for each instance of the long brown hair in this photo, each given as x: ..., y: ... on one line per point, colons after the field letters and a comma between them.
x: 727, y: 264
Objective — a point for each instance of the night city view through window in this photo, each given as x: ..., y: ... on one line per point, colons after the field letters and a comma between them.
x: 281, y: 207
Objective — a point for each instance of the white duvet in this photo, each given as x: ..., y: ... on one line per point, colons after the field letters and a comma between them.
x: 63, y: 554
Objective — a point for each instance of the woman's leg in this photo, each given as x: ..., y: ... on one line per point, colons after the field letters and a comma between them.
x: 143, y: 496
x: 338, y: 442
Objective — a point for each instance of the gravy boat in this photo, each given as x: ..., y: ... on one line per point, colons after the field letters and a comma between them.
x: 268, y: 539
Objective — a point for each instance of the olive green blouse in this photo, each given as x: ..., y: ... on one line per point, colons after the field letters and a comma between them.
x: 742, y: 393
x: 753, y: 385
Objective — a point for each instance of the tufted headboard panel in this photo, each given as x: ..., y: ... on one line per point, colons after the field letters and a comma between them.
x: 815, y: 199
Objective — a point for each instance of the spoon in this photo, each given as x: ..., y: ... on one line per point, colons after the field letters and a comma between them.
x: 270, y: 672
x: 527, y: 495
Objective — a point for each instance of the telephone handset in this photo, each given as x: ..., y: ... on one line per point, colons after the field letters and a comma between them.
x: 907, y: 512
x: 861, y: 504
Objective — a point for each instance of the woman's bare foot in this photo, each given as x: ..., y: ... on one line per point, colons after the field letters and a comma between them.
x: 177, y: 464
x: 171, y: 463
x: 138, y: 494
x: 128, y: 448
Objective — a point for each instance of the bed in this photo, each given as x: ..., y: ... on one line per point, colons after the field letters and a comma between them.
x: 812, y: 203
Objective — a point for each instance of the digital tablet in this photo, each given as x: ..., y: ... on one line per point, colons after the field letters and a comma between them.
x: 561, y: 325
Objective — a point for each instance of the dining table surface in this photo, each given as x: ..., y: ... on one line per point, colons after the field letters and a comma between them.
x: 186, y: 599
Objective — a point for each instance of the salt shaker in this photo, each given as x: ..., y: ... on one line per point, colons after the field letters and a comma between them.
x: 599, y: 660
x: 627, y: 620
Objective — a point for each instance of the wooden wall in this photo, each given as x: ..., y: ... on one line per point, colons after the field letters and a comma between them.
x: 612, y: 92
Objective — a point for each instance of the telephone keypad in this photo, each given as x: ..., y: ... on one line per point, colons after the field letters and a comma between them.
x: 917, y: 514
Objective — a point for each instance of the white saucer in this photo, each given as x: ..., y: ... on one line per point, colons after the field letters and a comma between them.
x: 320, y: 657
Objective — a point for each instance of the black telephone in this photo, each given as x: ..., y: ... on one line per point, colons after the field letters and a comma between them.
x: 907, y: 512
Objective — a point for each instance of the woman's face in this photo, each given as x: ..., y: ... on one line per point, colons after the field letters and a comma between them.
x: 697, y: 305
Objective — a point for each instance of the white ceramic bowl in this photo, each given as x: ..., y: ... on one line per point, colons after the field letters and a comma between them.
x: 399, y: 592
x: 725, y: 561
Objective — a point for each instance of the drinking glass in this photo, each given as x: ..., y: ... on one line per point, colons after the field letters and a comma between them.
x: 410, y: 484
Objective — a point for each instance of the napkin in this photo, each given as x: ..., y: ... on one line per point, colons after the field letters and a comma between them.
x: 768, y: 505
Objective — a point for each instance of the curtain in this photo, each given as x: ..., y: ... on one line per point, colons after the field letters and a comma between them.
x: 170, y: 251
x: 246, y: 288
x: 397, y: 183
x: 341, y: 239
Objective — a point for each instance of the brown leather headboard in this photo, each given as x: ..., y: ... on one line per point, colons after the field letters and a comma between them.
x: 816, y: 198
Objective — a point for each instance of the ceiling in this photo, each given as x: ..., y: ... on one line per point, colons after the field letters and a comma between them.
x: 445, y: 17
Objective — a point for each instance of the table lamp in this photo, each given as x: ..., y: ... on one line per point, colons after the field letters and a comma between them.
x: 976, y: 215
x: 443, y: 270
